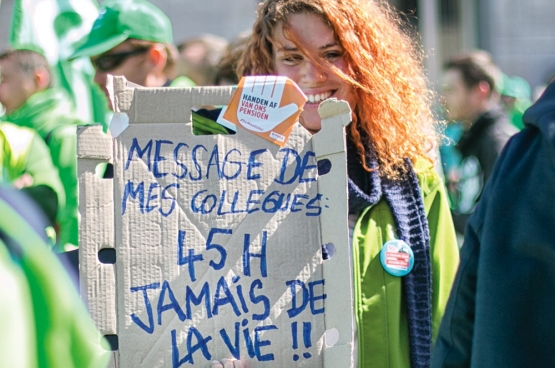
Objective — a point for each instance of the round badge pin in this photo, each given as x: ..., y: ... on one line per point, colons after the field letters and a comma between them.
x: 397, y: 258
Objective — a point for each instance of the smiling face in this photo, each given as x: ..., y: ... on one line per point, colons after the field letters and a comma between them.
x: 318, y: 83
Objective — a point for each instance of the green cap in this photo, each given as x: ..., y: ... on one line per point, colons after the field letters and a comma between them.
x: 120, y: 20
x: 516, y: 87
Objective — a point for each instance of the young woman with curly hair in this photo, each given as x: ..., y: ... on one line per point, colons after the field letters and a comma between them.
x: 355, y: 50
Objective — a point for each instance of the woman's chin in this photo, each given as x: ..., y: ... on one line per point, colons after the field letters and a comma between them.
x: 312, y: 125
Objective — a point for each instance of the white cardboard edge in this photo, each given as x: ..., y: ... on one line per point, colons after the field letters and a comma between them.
x: 96, y: 221
x: 335, y: 229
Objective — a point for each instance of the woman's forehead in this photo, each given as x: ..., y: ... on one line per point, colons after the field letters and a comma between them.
x: 306, y: 28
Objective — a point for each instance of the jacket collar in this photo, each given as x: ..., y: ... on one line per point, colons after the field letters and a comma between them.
x: 542, y: 114
x: 38, y: 110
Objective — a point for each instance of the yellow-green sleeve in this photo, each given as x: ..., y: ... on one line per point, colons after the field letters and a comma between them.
x: 63, y: 148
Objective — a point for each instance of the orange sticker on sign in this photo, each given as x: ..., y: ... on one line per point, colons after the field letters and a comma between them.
x: 266, y: 105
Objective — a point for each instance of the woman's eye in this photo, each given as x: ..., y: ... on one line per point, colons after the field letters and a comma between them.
x: 292, y: 58
x: 332, y: 55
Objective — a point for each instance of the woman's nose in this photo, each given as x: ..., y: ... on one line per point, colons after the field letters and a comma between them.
x: 100, y: 78
x: 314, y: 73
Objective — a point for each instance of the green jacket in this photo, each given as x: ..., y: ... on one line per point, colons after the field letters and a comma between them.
x: 44, y: 322
x: 380, y: 309
x: 22, y: 152
x: 51, y: 114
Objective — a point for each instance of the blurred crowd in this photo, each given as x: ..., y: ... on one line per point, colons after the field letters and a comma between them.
x: 481, y: 107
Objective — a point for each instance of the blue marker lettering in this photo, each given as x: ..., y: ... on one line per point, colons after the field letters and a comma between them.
x: 305, y: 167
x: 190, y: 297
x: 205, y: 207
x: 219, y: 248
x: 297, y: 202
x: 253, y: 202
x: 179, y: 163
x: 311, y: 206
x: 234, y: 203
x: 307, y: 331
x: 171, y: 199
x: 150, y: 328
x: 248, y: 341
x: 238, y: 163
x: 214, y: 161
x: 191, y: 349
x: 140, y: 152
x: 259, y: 299
x: 173, y: 304
x: 247, y: 255
x: 284, y: 166
x: 128, y: 191
x: 252, y: 163
x: 242, y: 298
x: 286, y: 202
x: 296, y: 310
x: 196, y: 163
x: 314, y: 298
x: 228, y: 299
x: 151, y: 197
x: 158, y: 158
x: 234, y: 349
x: 261, y: 343
x: 221, y: 204
x: 191, y: 257
x: 271, y: 204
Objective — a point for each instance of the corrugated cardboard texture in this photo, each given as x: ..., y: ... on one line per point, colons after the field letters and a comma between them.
x: 218, y: 238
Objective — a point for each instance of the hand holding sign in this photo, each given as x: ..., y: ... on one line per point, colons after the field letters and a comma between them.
x: 259, y: 109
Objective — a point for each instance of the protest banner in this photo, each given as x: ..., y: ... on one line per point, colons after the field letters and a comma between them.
x: 217, y: 238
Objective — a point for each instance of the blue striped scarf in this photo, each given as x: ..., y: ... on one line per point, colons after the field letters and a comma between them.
x: 406, y: 203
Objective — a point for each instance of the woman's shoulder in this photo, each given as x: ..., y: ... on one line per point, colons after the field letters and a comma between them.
x: 428, y: 176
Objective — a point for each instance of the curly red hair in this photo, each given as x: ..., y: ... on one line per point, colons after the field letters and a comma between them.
x: 393, y: 102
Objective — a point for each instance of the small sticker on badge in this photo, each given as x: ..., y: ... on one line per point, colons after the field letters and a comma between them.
x: 397, y: 258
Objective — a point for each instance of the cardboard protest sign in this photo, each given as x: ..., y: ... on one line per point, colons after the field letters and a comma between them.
x: 266, y: 105
x: 218, y: 239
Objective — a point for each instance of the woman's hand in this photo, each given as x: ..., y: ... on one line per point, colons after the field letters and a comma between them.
x: 227, y: 363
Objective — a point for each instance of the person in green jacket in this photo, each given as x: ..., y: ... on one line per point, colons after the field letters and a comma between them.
x: 516, y: 98
x: 44, y: 323
x: 30, y: 100
x: 404, y: 247
x: 134, y: 39
x: 25, y: 164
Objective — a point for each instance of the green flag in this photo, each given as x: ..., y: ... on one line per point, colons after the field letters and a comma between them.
x: 55, y: 28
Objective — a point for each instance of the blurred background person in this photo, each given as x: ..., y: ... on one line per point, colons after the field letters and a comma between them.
x: 472, y: 102
x: 199, y: 57
x: 226, y: 74
x: 30, y: 100
x: 516, y: 98
x: 134, y: 39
